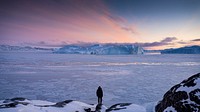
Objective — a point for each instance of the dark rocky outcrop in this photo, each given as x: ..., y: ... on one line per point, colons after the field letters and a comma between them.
x: 62, y: 104
x: 118, y: 106
x: 11, y: 103
x: 14, y: 99
x: 183, y: 97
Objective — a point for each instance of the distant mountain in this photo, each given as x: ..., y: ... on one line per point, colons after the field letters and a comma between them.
x: 183, y: 50
x: 101, y: 49
x: 7, y: 48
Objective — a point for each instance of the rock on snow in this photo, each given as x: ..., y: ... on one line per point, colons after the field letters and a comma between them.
x: 183, y: 97
x: 25, y: 105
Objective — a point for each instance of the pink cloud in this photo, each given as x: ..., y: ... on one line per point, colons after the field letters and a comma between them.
x: 71, y: 21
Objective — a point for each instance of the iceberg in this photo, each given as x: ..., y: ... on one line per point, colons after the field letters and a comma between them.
x: 101, y: 49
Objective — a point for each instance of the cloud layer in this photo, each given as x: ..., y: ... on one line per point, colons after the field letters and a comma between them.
x: 165, y: 41
x: 63, y: 20
x: 59, y: 22
x: 196, y: 40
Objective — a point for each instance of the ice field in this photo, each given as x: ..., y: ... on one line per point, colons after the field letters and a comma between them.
x: 138, y: 79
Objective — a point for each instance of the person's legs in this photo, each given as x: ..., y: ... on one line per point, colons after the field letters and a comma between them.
x: 100, y: 102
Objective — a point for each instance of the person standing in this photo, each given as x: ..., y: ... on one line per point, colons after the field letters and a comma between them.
x: 99, y: 93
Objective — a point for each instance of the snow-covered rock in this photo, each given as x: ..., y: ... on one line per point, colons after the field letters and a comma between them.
x: 183, y: 97
x: 101, y: 49
x: 25, y: 105
x: 126, y: 107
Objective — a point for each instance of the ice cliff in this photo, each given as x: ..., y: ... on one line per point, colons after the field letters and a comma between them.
x: 101, y: 49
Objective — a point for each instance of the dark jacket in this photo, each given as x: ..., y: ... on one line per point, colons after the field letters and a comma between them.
x: 99, y: 92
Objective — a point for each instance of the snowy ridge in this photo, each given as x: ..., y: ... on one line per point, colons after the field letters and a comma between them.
x: 183, y: 50
x: 24, y: 105
x: 8, y: 48
x: 101, y: 49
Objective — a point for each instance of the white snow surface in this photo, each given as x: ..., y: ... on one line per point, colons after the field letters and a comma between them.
x: 74, y: 106
x: 191, y: 88
x: 170, y: 109
x: 137, y: 79
x: 33, y: 107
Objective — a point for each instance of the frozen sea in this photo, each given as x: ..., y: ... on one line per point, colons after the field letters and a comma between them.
x: 138, y: 79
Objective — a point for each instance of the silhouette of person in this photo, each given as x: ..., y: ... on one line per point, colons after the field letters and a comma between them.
x: 99, y: 93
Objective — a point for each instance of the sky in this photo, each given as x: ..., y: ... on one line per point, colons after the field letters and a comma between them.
x: 152, y: 24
